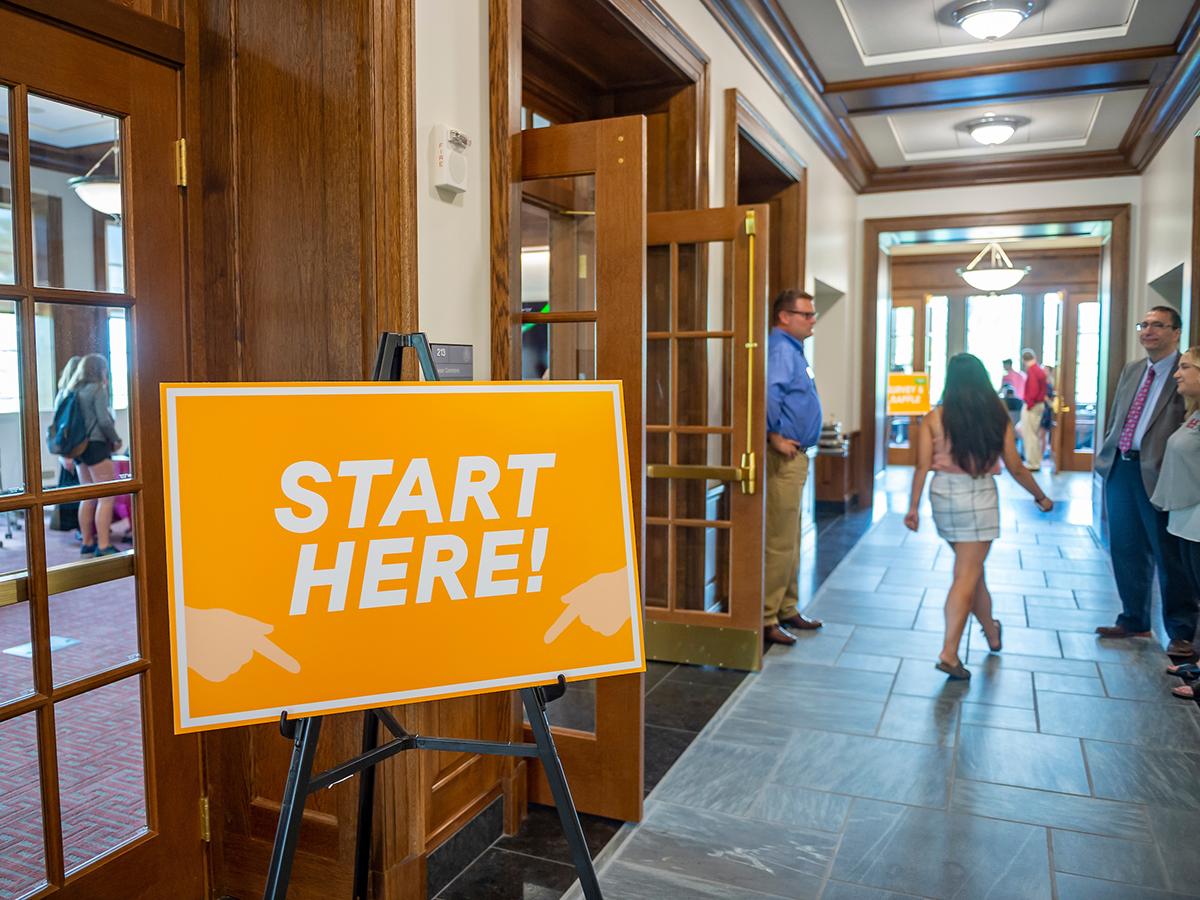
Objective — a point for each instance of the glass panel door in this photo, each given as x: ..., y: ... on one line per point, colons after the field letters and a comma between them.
x: 1078, y: 383
x: 907, y: 346
x: 107, y: 796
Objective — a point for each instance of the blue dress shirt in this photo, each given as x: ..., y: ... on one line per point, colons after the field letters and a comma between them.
x: 793, y: 407
x: 1162, y: 374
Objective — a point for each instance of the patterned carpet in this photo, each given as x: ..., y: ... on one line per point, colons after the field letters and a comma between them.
x: 99, y: 734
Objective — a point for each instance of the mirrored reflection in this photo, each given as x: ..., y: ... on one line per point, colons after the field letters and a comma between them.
x: 704, y: 297
x: 702, y: 569
x: 16, y: 647
x: 22, y: 851
x: 658, y: 381
x: 657, y: 548
x: 658, y: 288
x: 705, y: 367
x: 8, y: 254
x: 12, y: 451
x: 1087, y: 376
x: 75, y: 182
x: 565, y: 351
x: 93, y: 600
x: 101, y: 773
x: 84, y: 352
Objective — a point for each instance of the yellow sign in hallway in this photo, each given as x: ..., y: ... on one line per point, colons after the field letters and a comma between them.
x: 908, y: 394
x: 370, y: 544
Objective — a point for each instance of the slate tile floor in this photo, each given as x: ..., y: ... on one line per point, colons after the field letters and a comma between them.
x: 849, y: 769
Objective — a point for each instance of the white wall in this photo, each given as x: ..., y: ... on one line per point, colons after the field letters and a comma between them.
x: 454, y: 261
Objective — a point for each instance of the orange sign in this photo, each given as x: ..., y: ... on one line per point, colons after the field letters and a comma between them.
x: 907, y: 394
x: 347, y: 546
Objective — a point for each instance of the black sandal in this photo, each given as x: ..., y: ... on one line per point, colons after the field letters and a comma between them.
x: 957, y: 672
x: 999, y: 636
x: 1186, y: 671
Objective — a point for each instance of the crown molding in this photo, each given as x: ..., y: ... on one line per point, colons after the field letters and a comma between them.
x: 1170, y: 74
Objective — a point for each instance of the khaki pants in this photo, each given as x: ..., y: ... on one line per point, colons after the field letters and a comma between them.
x: 785, y: 486
x: 1031, y: 427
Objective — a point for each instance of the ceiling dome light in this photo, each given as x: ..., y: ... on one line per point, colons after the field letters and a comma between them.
x: 1001, y: 276
x: 101, y: 192
x: 991, y: 130
x: 989, y: 20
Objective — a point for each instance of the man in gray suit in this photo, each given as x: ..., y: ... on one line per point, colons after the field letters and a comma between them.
x: 1145, y: 411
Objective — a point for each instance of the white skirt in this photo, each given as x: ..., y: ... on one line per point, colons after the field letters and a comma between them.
x: 965, y: 508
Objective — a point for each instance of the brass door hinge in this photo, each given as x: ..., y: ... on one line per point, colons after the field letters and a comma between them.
x: 181, y: 162
x: 205, y: 824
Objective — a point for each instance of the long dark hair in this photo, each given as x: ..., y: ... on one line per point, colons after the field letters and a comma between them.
x: 973, y: 415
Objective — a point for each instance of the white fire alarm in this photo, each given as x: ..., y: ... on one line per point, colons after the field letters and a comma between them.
x: 450, y: 159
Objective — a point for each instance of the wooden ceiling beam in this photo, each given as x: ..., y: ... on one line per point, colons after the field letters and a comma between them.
x: 1167, y: 104
x: 1094, y: 164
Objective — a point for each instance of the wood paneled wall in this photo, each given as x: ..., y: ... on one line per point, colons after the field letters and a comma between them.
x: 1077, y: 267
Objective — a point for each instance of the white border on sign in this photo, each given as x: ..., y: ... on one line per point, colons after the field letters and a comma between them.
x: 186, y: 720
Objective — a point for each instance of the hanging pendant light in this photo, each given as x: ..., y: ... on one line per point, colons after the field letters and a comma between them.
x: 999, y: 276
x: 101, y: 192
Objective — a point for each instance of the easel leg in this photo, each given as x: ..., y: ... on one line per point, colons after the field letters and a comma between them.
x: 366, y: 808
x: 535, y: 709
x: 291, y: 810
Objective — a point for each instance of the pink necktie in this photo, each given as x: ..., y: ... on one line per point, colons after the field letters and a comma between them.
x: 1135, y: 414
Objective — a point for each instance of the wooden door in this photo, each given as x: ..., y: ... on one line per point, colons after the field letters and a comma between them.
x: 98, y: 798
x: 1078, y: 383
x: 583, y: 237
x: 706, y: 434
x: 905, y: 353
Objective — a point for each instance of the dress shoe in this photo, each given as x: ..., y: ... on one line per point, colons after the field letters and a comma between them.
x: 1180, y: 649
x: 800, y: 623
x: 1119, y: 631
x: 773, y: 634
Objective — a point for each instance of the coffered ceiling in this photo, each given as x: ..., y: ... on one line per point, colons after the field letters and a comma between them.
x: 885, y: 86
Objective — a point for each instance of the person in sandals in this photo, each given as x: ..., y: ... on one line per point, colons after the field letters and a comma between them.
x: 963, y: 440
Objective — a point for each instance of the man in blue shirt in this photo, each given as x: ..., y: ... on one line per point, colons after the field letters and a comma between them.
x: 793, y: 425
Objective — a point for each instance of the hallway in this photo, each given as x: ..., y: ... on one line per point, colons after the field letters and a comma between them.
x: 850, y: 768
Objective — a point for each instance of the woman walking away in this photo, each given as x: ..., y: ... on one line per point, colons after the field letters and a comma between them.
x: 95, y: 464
x: 962, y: 441
x: 1178, y: 491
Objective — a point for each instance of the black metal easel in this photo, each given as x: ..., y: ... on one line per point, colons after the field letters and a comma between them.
x: 304, y: 734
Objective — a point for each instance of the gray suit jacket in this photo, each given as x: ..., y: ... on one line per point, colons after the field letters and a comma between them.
x: 1166, y: 417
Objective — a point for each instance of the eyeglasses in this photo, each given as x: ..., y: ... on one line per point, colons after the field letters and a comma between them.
x: 1142, y: 326
x: 801, y: 312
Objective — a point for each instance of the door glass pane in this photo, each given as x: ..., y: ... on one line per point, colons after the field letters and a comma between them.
x: 702, y: 569
x: 16, y: 648
x: 75, y: 178
x: 1087, y: 376
x: 558, y: 244
x: 12, y: 452
x: 902, y: 345
x: 658, y: 288
x: 22, y: 852
x: 657, y: 489
x: 101, y: 773
x: 704, y: 300
x: 86, y: 349
x: 937, y: 340
x: 657, y: 543
x: 1051, y: 328
x: 704, y: 367
x: 994, y: 330
x: 93, y: 600
x: 563, y: 351
x: 8, y: 257
x: 658, y: 381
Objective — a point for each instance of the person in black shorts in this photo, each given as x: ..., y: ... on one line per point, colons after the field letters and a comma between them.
x: 94, y: 463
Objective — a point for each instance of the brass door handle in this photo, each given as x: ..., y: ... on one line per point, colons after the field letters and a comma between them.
x: 1064, y: 409
x: 714, y: 473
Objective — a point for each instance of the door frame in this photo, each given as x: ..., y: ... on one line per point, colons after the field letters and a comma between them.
x: 907, y: 456
x: 1114, y: 293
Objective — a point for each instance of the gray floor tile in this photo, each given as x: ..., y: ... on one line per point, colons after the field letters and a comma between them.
x: 1002, y: 687
x: 800, y: 807
x: 882, y: 769
x: 1076, y: 645
x: 920, y: 719
x: 740, y: 853
x: 816, y: 707
x: 1085, y: 620
x: 820, y: 647
x: 733, y: 728
x: 1140, y: 682
x: 1123, y: 721
x: 720, y: 776
x: 888, y: 598
x: 1106, y: 601
x: 829, y: 681
x: 857, y: 614
x: 1175, y: 832
x: 630, y: 882
x: 1005, y: 660
x: 842, y: 890
x: 1026, y: 641
x: 1080, y: 581
x: 999, y: 577
x: 1111, y: 859
x: 932, y: 853
x: 1068, y: 684
x: 1009, y: 717
x: 868, y: 662
x: 1021, y: 759
x: 856, y: 578
x: 1064, y: 811
x: 1076, y: 887
x: 902, y: 575
x: 1143, y: 775
x: 1063, y: 600
x: 895, y: 642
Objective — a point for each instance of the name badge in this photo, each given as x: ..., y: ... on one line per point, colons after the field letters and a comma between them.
x: 811, y: 375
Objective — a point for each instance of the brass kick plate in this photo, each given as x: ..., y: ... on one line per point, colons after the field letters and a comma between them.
x: 704, y: 645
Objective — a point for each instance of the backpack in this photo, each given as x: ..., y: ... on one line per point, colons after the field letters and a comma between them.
x: 67, y: 434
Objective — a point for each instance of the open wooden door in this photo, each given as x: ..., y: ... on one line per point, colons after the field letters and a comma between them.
x: 583, y: 236
x: 706, y: 435
x: 905, y: 353
x: 1078, y: 383
x: 98, y: 797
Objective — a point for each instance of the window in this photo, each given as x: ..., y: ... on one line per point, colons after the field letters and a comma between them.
x: 937, y: 342
x: 1051, y: 328
x: 994, y: 331
x: 118, y: 355
x: 10, y: 377
x: 903, y: 338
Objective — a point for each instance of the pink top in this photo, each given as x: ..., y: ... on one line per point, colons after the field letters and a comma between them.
x: 943, y: 452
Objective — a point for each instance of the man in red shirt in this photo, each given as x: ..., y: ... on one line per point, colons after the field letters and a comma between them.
x: 1035, y: 405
